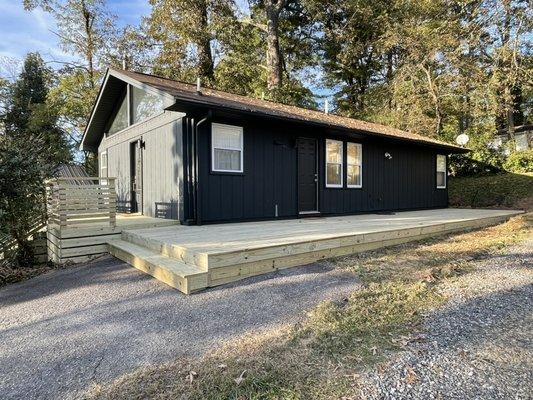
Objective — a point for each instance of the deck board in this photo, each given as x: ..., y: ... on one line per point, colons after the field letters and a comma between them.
x: 228, y: 252
x: 213, y: 239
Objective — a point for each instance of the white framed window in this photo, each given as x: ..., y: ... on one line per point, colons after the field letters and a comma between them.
x: 334, y: 166
x: 226, y: 148
x: 103, y: 164
x: 354, y: 165
x: 441, y: 171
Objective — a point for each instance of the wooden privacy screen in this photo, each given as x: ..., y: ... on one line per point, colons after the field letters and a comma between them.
x: 81, y: 200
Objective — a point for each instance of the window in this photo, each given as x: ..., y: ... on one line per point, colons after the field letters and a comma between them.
x: 103, y: 166
x: 333, y: 163
x: 120, y: 121
x: 226, y: 148
x: 354, y: 165
x: 144, y: 105
x: 441, y: 171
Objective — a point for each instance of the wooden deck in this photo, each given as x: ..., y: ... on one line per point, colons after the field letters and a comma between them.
x: 84, y: 241
x: 191, y: 258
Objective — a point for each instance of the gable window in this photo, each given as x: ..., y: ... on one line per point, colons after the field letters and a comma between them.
x: 441, y: 171
x: 354, y: 165
x: 226, y: 148
x: 120, y: 120
x: 333, y: 163
x: 144, y: 105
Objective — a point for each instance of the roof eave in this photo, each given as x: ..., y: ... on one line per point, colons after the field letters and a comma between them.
x: 206, y: 101
x: 84, y: 146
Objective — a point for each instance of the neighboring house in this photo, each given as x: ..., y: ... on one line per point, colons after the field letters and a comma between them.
x: 523, y: 136
x: 204, y: 156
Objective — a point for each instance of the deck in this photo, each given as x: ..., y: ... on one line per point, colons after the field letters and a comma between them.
x: 83, y: 241
x: 191, y: 258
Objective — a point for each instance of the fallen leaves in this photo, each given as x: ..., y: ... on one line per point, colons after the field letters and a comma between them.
x: 410, y: 377
x: 191, y: 375
x: 239, y: 380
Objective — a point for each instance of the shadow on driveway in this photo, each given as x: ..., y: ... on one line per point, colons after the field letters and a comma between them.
x: 66, y: 329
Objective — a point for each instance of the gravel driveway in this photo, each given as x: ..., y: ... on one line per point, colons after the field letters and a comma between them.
x: 64, y: 330
x: 479, y: 346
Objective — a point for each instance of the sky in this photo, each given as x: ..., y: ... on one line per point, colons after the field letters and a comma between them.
x: 27, y: 31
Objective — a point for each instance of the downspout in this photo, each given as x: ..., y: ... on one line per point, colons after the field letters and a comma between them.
x: 197, y: 187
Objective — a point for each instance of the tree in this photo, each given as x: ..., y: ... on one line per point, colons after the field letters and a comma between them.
x: 87, y: 31
x: 28, y: 116
x: 22, y: 204
x: 273, y: 9
x: 184, y: 31
x: 511, y: 23
x: 31, y: 145
x: 356, y: 49
x: 268, y: 54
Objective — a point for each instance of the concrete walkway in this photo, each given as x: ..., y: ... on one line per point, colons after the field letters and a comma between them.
x: 62, y: 331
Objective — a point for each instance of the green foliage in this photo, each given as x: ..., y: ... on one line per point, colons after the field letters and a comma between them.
x: 31, y: 146
x: 496, y: 190
x: 184, y: 30
x: 72, y: 97
x: 22, y: 204
x: 87, y: 31
x: 483, y: 158
x: 28, y: 117
x: 436, y: 67
x: 519, y: 161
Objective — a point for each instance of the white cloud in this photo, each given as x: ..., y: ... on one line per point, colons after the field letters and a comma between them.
x: 26, y: 31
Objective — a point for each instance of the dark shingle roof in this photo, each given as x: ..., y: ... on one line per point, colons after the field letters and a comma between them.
x: 185, y: 91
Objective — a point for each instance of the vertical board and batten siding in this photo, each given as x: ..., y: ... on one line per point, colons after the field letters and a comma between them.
x: 161, y: 164
x: 407, y: 181
x: 269, y: 177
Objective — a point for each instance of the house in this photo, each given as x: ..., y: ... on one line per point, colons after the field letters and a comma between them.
x: 200, y: 155
x: 523, y: 139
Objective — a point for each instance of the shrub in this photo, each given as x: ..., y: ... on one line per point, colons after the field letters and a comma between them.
x: 482, y: 159
x: 520, y: 161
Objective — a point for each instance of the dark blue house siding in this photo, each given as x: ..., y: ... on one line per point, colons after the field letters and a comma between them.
x: 407, y: 181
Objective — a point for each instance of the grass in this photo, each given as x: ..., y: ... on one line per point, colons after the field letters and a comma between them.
x: 322, y: 357
x: 505, y: 190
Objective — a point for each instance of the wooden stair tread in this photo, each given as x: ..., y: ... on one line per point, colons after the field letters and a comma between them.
x: 172, y: 265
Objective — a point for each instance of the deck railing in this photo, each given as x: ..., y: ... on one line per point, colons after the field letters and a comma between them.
x: 81, y: 200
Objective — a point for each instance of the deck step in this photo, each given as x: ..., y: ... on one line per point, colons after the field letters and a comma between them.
x: 179, y: 253
x: 184, y: 277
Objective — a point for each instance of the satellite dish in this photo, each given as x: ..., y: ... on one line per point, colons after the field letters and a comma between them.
x: 462, y: 139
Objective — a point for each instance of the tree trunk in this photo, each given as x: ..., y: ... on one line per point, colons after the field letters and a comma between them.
x: 205, y: 57
x: 273, y: 56
x: 88, y: 19
x: 390, y: 74
x: 433, y: 91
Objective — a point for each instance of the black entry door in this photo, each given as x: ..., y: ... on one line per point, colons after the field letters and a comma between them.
x: 307, y: 176
x: 136, y: 177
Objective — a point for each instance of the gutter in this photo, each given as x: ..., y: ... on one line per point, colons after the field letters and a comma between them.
x: 197, y: 187
x: 201, y: 99
x: 191, y: 165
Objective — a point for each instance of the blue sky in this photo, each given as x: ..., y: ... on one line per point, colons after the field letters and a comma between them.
x: 22, y: 31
